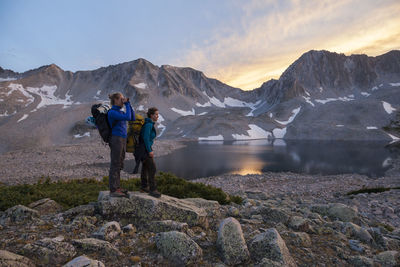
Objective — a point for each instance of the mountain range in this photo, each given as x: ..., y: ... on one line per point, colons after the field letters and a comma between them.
x: 321, y: 96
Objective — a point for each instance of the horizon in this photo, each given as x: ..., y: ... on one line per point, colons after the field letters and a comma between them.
x: 240, y: 44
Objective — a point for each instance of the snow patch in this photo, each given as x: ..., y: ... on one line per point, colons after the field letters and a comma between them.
x: 7, y: 79
x: 183, y: 112
x: 141, y: 85
x: 255, y: 132
x: 279, y: 142
x: 278, y: 132
x: 83, y: 135
x: 203, y: 113
x: 394, y: 84
x: 98, y: 92
x: 294, y: 114
x: 212, y: 138
x: 20, y: 88
x: 308, y: 100
x: 372, y: 128
x: 23, y: 117
x: 395, y: 138
x: 386, y: 162
x: 232, y: 102
x: 388, y: 108
x: 140, y: 107
x: 6, y: 114
x: 365, y: 94
x: 207, y: 104
x: 160, y: 125
x: 344, y: 99
x: 48, y: 98
x: 339, y: 125
x: 374, y: 88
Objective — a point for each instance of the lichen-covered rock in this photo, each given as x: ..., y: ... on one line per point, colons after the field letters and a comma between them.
x: 141, y: 209
x: 19, y: 214
x: 360, y: 261
x: 231, y: 243
x: 178, y: 248
x: 299, y: 224
x: 378, y: 237
x: 388, y: 258
x: 270, y: 263
x: 82, y: 222
x: 274, y: 215
x: 355, y: 231
x: 270, y: 245
x: 93, y: 245
x: 167, y: 226
x: 10, y: 259
x: 83, y: 261
x: 50, y: 250
x: 300, y: 239
x: 82, y: 210
x: 129, y: 229
x: 46, y: 206
x: 342, y: 212
x: 257, y: 195
x: 108, y: 232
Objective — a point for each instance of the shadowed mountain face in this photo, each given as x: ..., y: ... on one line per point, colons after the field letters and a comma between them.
x: 322, y: 95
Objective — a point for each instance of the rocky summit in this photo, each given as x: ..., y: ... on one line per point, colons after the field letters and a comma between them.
x: 322, y: 95
x: 264, y: 230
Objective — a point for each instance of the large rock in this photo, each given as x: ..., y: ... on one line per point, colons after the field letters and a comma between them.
x: 50, y: 250
x: 109, y: 231
x: 19, y: 214
x: 141, y: 209
x: 388, y: 258
x: 231, y: 243
x: 300, y: 224
x: 82, y: 210
x: 355, y: 231
x: 167, y: 226
x: 342, y: 212
x: 360, y: 261
x: 274, y: 215
x: 10, y: 259
x: 93, y: 245
x: 270, y: 245
x: 178, y: 248
x: 83, y: 261
x: 46, y: 206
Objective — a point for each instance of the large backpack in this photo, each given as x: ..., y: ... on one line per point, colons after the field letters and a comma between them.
x: 134, y: 128
x: 99, y: 112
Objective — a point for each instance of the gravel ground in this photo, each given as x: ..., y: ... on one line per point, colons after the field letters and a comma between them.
x: 85, y: 160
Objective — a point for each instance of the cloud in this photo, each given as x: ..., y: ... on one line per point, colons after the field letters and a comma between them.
x: 270, y: 35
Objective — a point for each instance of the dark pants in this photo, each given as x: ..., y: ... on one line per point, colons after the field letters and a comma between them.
x: 148, y: 173
x: 118, y: 147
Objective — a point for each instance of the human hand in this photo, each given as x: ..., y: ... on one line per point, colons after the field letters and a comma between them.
x: 126, y: 99
x: 151, y: 154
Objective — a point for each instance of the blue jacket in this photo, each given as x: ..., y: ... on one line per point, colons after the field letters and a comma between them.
x: 119, y: 118
x: 148, y: 133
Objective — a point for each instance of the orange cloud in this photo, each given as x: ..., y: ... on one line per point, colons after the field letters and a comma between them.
x: 270, y: 42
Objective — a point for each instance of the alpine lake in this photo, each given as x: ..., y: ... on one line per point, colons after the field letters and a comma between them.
x: 211, y: 158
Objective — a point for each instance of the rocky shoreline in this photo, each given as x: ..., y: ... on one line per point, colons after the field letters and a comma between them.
x: 285, y: 219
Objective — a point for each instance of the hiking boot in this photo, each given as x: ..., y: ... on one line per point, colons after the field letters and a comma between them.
x: 155, y: 193
x: 136, y: 169
x: 144, y: 190
x: 119, y: 193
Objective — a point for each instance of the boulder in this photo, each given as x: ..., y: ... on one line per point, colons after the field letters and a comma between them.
x: 141, y: 209
x: 269, y: 263
x: 274, y: 215
x: 354, y: 231
x: 82, y: 210
x: 93, y: 245
x: 50, y: 250
x: 378, y: 237
x: 178, y: 248
x: 259, y: 195
x: 108, y: 232
x: 231, y: 243
x: 10, y: 259
x: 300, y: 239
x: 299, y: 224
x: 82, y: 222
x: 129, y: 229
x: 360, y: 261
x: 270, y: 245
x: 46, y: 206
x: 356, y: 245
x: 83, y: 261
x: 342, y: 212
x: 19, y: 214
x: 388, y: 258
x: 167, y: 226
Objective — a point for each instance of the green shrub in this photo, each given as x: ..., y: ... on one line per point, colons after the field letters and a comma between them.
x: 82, y: 191
x: 371, y: 190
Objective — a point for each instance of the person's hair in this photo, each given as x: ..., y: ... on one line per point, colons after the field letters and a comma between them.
x: 114, y: 97
x: 151, y: 111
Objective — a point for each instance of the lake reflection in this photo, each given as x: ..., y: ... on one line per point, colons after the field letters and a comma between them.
x: 209, y: 158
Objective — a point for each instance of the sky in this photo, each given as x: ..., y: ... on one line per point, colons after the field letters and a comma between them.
x: 240, y: 42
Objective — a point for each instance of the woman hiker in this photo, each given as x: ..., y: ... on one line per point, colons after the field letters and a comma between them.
x: 117, y: 120
x: 147, y: 135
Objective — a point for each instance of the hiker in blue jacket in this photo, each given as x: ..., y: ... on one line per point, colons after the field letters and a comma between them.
x: 117, y: 120
x: 147, y: 136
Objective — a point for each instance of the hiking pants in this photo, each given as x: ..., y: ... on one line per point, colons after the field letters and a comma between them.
x: 148, y: 173
x: 117, y: 154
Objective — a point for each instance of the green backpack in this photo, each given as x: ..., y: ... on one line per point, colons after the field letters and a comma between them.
x: 134, y: 128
